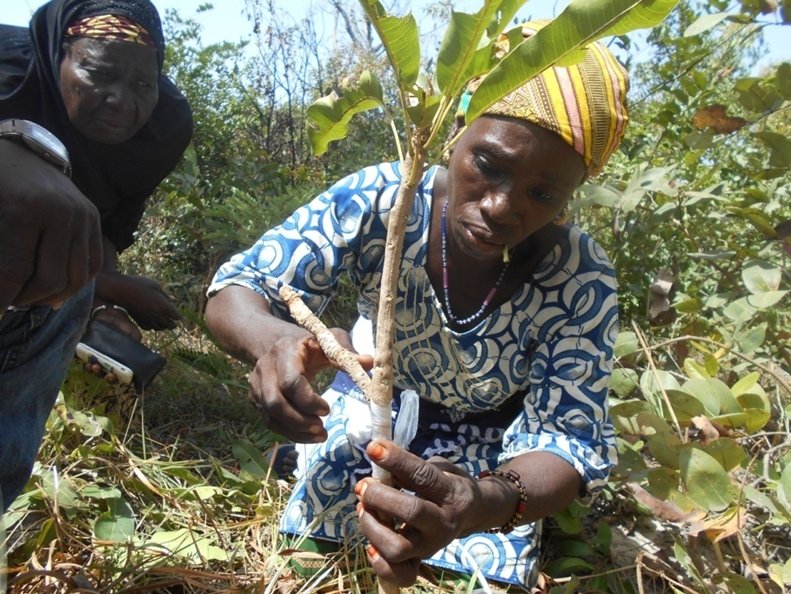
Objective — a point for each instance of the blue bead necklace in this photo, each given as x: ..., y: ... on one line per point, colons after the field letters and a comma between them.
x: 445, y: 283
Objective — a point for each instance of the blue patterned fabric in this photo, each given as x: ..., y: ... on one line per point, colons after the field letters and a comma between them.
x: 545, y: 356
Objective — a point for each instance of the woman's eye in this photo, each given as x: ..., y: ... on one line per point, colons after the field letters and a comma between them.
x: 100, y: 74
x: 542, y: 197
x: 485, y: 167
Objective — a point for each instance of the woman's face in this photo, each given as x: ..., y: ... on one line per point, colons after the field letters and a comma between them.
x: 110, y: 88
x: 507, y: 178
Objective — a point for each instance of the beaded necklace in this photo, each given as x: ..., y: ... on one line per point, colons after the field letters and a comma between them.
x: 445, y: 284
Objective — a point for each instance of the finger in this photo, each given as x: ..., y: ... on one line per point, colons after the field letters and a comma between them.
x: 410, y: 471
x: 402, y: 574
x: 280, y: 413
x: 391, y: 507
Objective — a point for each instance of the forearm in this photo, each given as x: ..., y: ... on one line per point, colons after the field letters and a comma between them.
x: 551, y: 484
x: 242, y: 323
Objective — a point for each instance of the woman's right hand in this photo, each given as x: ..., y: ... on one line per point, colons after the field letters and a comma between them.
x: 285, y: 360
x: 281, y: 390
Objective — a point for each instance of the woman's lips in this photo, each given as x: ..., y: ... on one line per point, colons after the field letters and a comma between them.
x: 484, y: 240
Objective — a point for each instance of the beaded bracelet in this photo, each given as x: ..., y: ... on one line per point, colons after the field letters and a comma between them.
x: 521, y: 505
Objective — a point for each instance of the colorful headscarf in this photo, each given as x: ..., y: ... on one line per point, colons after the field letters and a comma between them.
x: 110, y: 26
x: 585, y: 103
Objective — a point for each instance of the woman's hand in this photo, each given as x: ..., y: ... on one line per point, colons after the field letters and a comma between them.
x: 281, y: 390
x: 143, y: 297
x: 116, y: 317
x: 403, y: 528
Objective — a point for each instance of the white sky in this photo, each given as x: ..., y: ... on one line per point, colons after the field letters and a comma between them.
x: 226, y: 21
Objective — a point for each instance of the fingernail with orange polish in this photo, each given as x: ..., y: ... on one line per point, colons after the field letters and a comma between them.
x: 373, y: 554
x: 360, y: 488
x: 377, y: 451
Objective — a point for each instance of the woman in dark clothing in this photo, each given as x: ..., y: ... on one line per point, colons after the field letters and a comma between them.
x: 90, y: 71
x: 88, y: 75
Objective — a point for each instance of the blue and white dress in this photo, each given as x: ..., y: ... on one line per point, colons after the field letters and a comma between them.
x: 531, y: 376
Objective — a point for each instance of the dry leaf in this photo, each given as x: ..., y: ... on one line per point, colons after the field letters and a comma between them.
x: 707, y: 428
x: 718, y: 528
x: 716, y: 118
x: 663, y: 510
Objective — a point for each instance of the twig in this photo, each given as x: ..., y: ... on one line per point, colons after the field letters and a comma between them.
x: 647, y: 351
x: 780, y: 380
x: 342, y: 358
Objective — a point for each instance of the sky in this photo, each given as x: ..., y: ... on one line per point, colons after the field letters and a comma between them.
x: 227, y: 22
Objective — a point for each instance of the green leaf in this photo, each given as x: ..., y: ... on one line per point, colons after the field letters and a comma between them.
x: 756, y: 412
x: 666, y: 449
x: 736, y: 584
x: 466, y: 50
x: 186, y: 544
x: 783, y: 80
x: 784, y: 486
x: 695, y: 370
x: 705, y: 23
x: 662, y: 482
x: 604, y: 195
x: 746, y: 384
x: 582, y: 22
x: 400, y: 38
x: 715, y: 395
x: 707, y: 483
x: 250, y: 458
x: 651, y: 383
x: 100, y: 492
x: 765, y: 300
x: 751, y: 339
x: 685, y: 406
x: 740, y: 311
x: 567, y: 566
x: 623, y: 381
x: 726, y: 451
x: 626, y: 344
x: 117, y: 524
x: 761, y: 277
x: 779, y: 147
x: 781, y: 573
x: 329, y: 116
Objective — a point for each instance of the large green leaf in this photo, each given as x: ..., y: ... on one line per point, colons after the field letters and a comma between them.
x: 117, y: 524
x: 760, y: 276
x: 685, y: 406
x: 707, y: 483
x: 329, y: 116
x: 582, y: 22
x: 187, y: 544
x: 705, y: 22
x: 726, y: 451
x: 466, y: 49
x: 714, y: 394
x: 779, y: 147
x: 400, y: 38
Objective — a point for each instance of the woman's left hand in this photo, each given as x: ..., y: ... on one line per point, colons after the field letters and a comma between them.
x: 143, y: 297
x: 424, y: 522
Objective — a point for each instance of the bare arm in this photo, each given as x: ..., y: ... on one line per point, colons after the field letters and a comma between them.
x: 285, y: 357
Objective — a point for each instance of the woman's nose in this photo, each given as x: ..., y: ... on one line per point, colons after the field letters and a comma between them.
x: 497, y: 206
x: 118, y: 96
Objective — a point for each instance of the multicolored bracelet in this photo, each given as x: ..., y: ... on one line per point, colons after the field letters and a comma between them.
x: 521, y: 505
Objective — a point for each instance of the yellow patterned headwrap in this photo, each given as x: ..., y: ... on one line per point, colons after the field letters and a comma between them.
x: 110, y: 26
x: 585, y: 103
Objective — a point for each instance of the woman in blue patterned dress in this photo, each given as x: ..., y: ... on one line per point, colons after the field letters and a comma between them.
x: 505, y: 323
